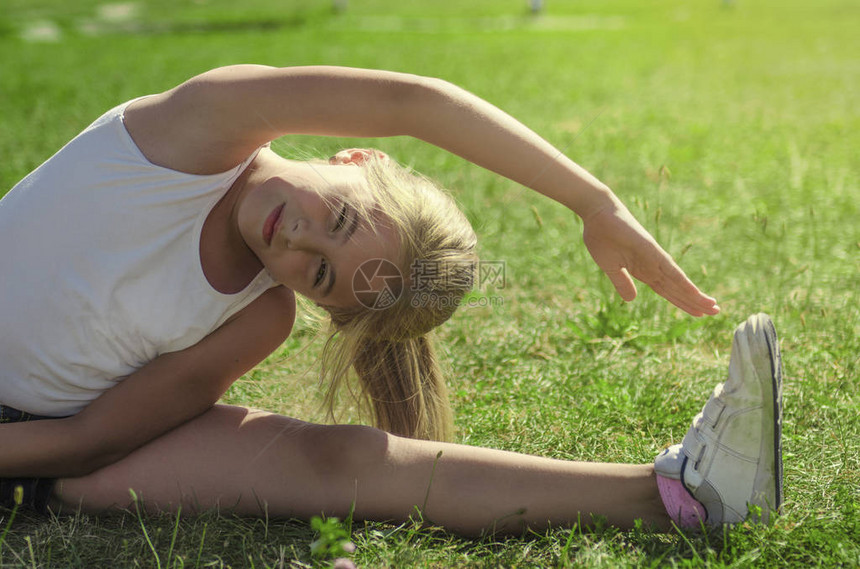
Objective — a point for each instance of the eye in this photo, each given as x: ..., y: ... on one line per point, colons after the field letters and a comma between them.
x: 341, y: 218
x: 321, y: 273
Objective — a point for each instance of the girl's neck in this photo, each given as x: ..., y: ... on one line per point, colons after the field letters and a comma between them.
x: 228, y: 263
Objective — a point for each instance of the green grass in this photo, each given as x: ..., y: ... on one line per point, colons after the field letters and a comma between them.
x: 731, y: 130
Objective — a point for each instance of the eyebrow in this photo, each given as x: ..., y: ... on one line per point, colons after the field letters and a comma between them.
x: 352, y: 227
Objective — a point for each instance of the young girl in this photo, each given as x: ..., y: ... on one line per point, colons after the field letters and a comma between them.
x: 154, y: 259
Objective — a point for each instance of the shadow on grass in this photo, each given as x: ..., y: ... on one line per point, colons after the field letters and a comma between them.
x: 212, y: 540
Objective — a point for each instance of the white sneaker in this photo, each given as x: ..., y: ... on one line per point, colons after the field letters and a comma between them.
x: 731, y: 458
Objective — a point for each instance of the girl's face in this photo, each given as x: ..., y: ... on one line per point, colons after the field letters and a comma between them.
x: 312, y: 240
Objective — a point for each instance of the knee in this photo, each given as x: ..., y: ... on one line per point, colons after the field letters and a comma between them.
x: 334, y: 451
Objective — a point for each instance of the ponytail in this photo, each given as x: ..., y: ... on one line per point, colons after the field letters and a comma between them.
x: 404, y: 386
x: 390, y: 348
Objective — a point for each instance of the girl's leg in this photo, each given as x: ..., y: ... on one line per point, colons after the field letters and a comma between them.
x: 251, y: 462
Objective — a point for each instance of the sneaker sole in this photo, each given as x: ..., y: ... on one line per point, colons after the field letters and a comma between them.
x: 767, y: 490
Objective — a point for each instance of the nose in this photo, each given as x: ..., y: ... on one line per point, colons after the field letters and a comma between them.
x: 303, y: 235
x: 296, y: 233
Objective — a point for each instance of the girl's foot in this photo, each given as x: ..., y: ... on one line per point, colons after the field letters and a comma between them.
x: 730, y: 460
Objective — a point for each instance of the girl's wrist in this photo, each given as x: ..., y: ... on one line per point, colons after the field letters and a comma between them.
x: 595, y: 199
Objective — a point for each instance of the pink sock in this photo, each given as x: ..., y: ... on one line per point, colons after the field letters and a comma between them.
x: 684, y: 510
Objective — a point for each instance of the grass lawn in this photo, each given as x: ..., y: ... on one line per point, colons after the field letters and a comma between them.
x: 730, y: 128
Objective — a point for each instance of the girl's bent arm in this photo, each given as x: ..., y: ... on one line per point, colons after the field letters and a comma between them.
x: 165, y: 393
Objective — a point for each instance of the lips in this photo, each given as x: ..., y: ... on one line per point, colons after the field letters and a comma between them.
x: 272, y: 223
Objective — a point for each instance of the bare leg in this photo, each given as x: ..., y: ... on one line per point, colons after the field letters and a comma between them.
x: 250, y: 461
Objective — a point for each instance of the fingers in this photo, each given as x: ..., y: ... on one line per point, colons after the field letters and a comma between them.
x: 672, y: 284
x: 687, y: 296
x: 623, y: 283
x: 625, y: 250
x: 694, y: 308
x: 357, y: 156
x: 696, y: 302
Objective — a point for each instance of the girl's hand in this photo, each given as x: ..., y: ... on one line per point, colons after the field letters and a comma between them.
x: 623, y: 248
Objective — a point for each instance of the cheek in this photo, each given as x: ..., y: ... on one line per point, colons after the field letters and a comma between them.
x: 311, y: 205
x: 291, y: 269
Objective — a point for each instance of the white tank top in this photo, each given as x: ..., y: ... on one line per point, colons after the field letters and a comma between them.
x: 100, y: 269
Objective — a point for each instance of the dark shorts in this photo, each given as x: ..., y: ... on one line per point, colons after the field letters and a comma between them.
x: 35, y: 491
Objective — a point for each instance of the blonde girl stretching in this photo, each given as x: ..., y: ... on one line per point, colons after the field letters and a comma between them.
x: 155, y: 258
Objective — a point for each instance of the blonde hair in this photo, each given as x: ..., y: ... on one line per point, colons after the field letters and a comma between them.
x: 390, y: 346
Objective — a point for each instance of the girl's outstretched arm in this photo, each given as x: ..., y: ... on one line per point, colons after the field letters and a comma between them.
x: 215, y: 120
